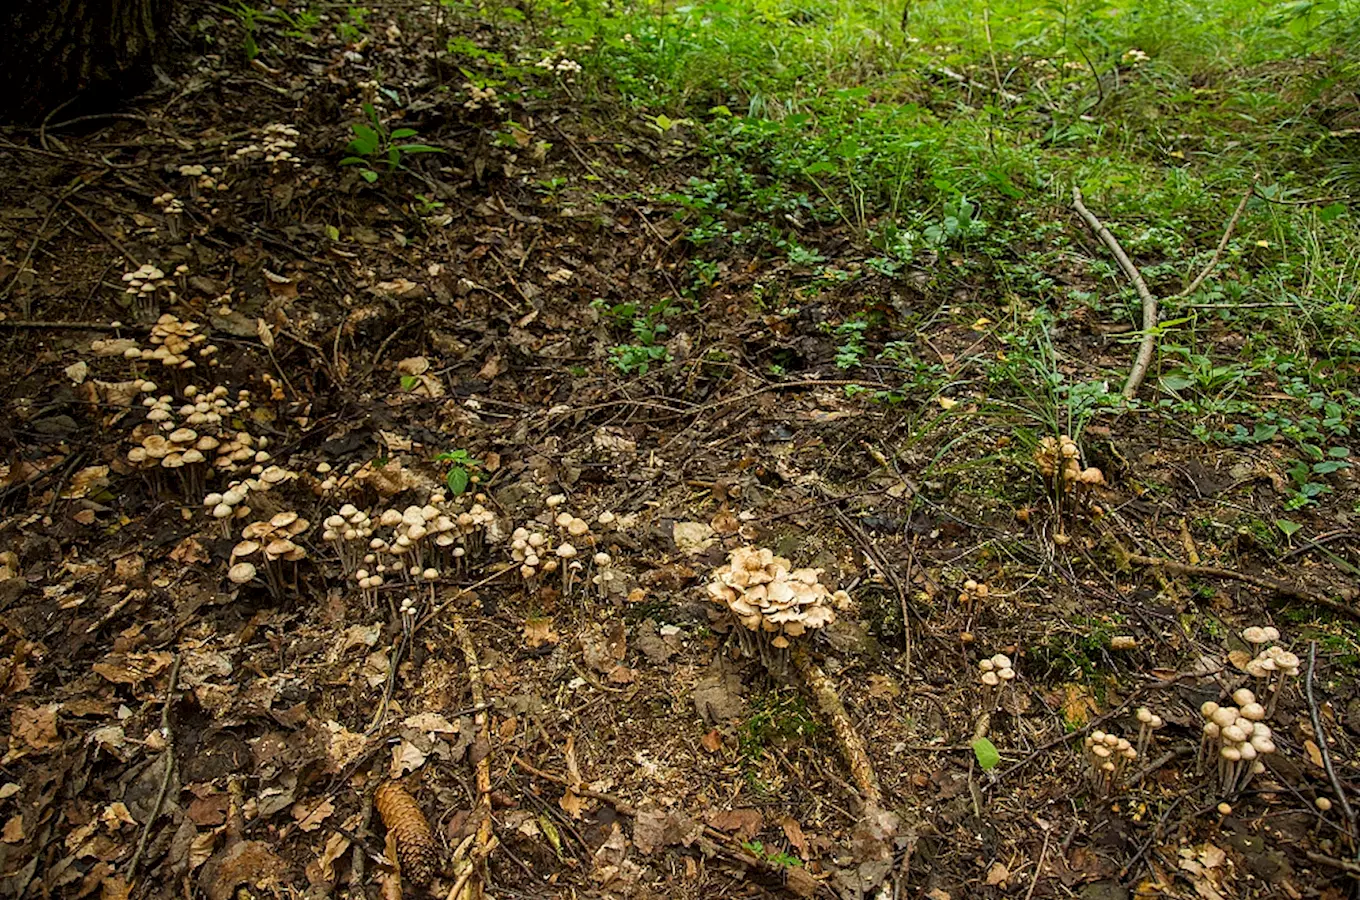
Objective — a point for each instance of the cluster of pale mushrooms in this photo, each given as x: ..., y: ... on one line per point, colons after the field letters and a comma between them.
x: 273, y: 543
x: 276, y: 145
x: 574, y: 553
x: 1273, y: 665
x: 203, y: 179
x: 1059, y: 460
x: 421, y: 542
x: 995, y: 673
x: 174, y: 345
x: 772, y: 601
x: 1107, y: 755
x: 1234, y: 740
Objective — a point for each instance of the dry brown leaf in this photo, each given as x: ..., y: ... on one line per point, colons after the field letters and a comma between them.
x: 743, y: 823
x: 712, y: 741
x: 998, y: 874
x: 1314, y: 754
x: 692, y: 538
x: 881, y: 687
x: 539, y: 631
x: 35, y: 726
x: 250, y: 863
x: 406, y: 757
x: 309, y: 816
x: 13, y: 832
x: 794, y: 833
x: 115, y: 887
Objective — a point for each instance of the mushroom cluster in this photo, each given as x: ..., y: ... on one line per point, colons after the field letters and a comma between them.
x: 1148, y: 722
x: 1234, y: 739
x: 422, y: 541
x: 272, y: 543
x: 228, y: 505
x: 1107, y: 755
x: 1059, y: 460
x: 168, y: 203
x: 973, y: 589
x: 1273, y: 665
x: 175, y: 341
x: 276, y: 145
x: 995, y: 674
x: 181, y: 450
x: 772, y: 601
x: 203, y: 178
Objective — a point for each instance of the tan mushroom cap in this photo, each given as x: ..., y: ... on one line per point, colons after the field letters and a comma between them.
x: 241, y: 573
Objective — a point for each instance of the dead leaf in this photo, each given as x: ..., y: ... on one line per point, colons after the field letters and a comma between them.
x: 406, y: 757
x: 998, y: 874
x: 35, y: 726
x: 1240, y: 658
x: 310, y: 816
x: 794, y: 833
x: 712, y: 741
x: 115, y: 887
x: 88, y: 480
x: 491, y: 368
x: 692, y: 538
x: 413, y: 365
x: 1314, y: 754
x: 188, y: 552
x: 77, y: 371
x: 725, y: 523
x: 14, y: 830
x: 430, y: 723
x: 250, y: 863
x: 539, y: 631
x: 881, y: 687
x: 744, y: 824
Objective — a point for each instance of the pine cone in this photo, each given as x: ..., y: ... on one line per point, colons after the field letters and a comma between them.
x: 417, y: 853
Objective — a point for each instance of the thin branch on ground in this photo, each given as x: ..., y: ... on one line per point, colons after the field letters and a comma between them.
x: 1148, y: 346
x: 850, y: 741
x: 168, y: 754
x: 1320, y: 735
x: 1298, y: 592
x: 1222, y: 244
x: 485, y: 840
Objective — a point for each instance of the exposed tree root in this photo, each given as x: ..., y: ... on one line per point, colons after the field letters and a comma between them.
x: 472, y: 878
x: 847, y: 736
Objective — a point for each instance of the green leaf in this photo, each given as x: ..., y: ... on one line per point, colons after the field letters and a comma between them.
x: 1287, y: 526
x: 409, y: 381
x: 332, y: 232
x: 988, y: 756
x: 457, y: 479
x: 1335, y: 211
x: 369, y: 175
x: 418, y: 148
x: 399, y: 133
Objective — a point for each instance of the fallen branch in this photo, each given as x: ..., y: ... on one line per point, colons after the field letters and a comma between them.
x: 468, y: 889
x: 1296, y: 591
x: 1320, y: 735
x: 1148, y: 346
x: 168, y: 754
x: 847, y: 736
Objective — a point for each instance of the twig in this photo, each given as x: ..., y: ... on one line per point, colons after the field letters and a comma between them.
x: 98, y: 229
x: 169, y: 755
x: 485, y: 840
x: 1038, y: 870
x: 390, y: 688
x: 849, y: 739
x: 1296, y: 591
x: 1222, y: 244
x: 35, y: 325
x: 1313, y: 716
x: 1143, y: 360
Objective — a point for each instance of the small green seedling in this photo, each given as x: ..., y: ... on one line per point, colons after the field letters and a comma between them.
x: 461, y: 467
x: 374, y: 145
x: 988, y: 757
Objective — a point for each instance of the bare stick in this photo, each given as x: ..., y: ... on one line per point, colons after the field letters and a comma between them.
x: 1149, y: 344
x: 1281, y: 587
x: 1222, y: 244
x: 1313, y: 716
x: 26, y: 325
x: 169, y: 755
x: 485, y: 840
x: 1038, y: 869
x: 847, y: 736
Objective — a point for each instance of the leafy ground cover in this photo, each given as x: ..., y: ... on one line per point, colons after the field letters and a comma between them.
x: 298, y: 343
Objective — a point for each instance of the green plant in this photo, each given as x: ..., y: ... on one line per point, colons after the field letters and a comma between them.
x: 373, y: 145
x: 771, y: 856
x: 645, y: 324
x: 461, y: 468
x: 351, y: 29
x: 851, y: 351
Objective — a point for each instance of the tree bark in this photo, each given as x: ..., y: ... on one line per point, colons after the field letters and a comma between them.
x: 60, y: 50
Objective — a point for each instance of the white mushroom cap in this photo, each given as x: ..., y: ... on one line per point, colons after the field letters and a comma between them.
x: 241, y: 573
x: 1271, y: 632
x: 1253, y: 711
x: 1243, y: 696
x: 1208, y: 708
x: 990, y: 679
x: 566, y: 551
x: 1254, y: 635
x: 1144, y: 715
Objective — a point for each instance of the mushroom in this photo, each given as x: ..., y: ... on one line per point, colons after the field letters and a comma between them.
x: 241, y: 573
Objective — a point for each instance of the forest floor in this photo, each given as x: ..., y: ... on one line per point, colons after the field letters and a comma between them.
x: 564, y: 311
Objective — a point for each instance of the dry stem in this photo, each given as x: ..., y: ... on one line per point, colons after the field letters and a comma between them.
x: 472, y: 889
x: 847, y: 736
x: 169, y: 755
x: 1148, y: 345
